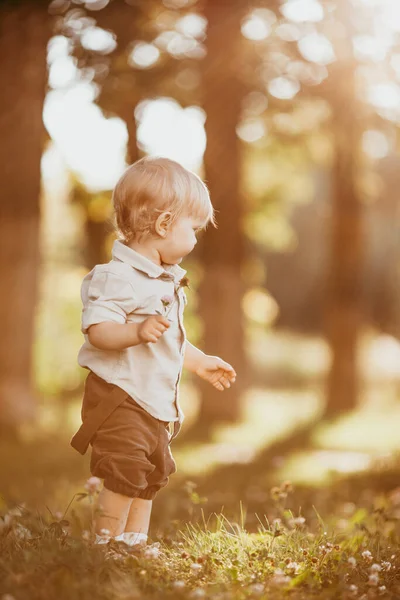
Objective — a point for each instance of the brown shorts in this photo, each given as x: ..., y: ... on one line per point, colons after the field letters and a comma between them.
x: 130, y: 449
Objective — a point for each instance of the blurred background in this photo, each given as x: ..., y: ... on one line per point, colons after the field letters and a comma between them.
x: 290, y: 112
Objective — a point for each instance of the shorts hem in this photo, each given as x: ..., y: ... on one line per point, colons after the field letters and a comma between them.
x: 122, y: 488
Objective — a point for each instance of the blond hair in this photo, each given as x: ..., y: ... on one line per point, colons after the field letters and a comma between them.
x: 153, y: 185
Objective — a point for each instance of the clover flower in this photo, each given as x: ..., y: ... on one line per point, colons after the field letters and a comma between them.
x: 198, y: 593
x: 367, y: 555
x: 373, y: 579
x: 184, y: 282
x: 92, y: 485
x: 352, y: 561
x: 179, y: 584
x: 294, y: 567
x: 382, y: 589
x: 152, y: 552
x: 279, y: 578
x: 257, y: 589
x: 166, y: 301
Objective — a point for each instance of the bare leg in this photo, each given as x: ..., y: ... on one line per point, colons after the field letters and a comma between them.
x: 139, y: 516
x: 112, y: 513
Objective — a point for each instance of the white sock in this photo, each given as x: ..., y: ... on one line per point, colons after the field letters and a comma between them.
x: 104, y: 539
x: 131, y: 538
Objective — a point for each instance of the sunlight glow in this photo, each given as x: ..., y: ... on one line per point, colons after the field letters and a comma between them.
x: 192, y: 24
x: 260, y: 307
x: 370, y: 47
x: 376, y: 145
x: 303, y: 10
x: 62, y: 72
x: 315, y: 47
x: 283, y: 88
x: 255, y: 28
x: 168, y: 129
x: 98, y: 40
x: 385, y: 96
x: 251, y: 130
x: 92, y: 146
x: 143, y: 55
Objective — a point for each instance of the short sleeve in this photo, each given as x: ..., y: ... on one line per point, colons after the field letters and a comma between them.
x: 106, y: 296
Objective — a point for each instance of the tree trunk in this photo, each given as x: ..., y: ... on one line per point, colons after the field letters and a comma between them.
x: 132, y: 154
x: 24, y: 33
x: 221, y: 251
x: 344, y: 302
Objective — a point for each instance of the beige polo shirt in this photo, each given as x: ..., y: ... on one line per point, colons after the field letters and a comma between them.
x: 128, y: 289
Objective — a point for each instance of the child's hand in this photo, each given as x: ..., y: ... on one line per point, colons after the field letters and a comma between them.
x: 217, y: 372
x: 152, y: 328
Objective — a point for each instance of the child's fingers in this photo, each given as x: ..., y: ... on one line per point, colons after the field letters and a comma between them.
x: 218, y: 385
x: 226, y: 367
x: 225, y: 381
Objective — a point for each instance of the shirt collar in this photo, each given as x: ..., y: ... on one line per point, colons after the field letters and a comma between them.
x: 124, y: 253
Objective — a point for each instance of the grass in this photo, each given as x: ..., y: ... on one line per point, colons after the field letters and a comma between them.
x: 354, y: 554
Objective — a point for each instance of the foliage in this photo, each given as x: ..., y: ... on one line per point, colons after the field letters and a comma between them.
x: 43, y: 556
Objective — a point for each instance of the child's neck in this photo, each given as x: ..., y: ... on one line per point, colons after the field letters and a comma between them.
x: 148, y: 251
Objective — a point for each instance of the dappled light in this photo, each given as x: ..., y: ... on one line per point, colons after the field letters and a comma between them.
x: 206, y: 189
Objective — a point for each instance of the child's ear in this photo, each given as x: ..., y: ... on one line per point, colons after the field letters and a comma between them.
x: 162, y: 223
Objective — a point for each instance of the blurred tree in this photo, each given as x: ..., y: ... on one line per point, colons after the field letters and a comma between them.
x: 222, y: 250
x: 97, y: 227
x: 116, y: 62
x: 332, y: 57
x: 345, y: 310
x: 24, y: 33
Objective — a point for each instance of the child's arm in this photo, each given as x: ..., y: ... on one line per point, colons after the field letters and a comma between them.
x: 211, y: 368
x: 108, y: 335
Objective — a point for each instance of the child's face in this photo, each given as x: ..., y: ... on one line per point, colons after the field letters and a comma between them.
x: 180, y: 239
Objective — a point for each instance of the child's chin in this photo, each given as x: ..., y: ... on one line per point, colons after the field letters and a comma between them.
x: 172, y: 262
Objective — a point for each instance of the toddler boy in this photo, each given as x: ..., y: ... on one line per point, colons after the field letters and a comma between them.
x: 135, y: 343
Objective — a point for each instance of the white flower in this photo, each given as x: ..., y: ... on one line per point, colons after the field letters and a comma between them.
x: 279, y: 577
x: 367, y: 555
x: 22, y: 532
x: 352, y: 561
x: 375, y: 568
x: 105, y: 532
x: 386, y: 566
x: 196, y: 567
x: 152, y: 552
x: 382, y: 589
x: 257, y: 589
x: 179, y: 584
x: 277, y: 523
x: 373, y: 579
x: 293, y: 566
x: 92, y: 485
x: 198, y: 593
x: 353, y: 590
